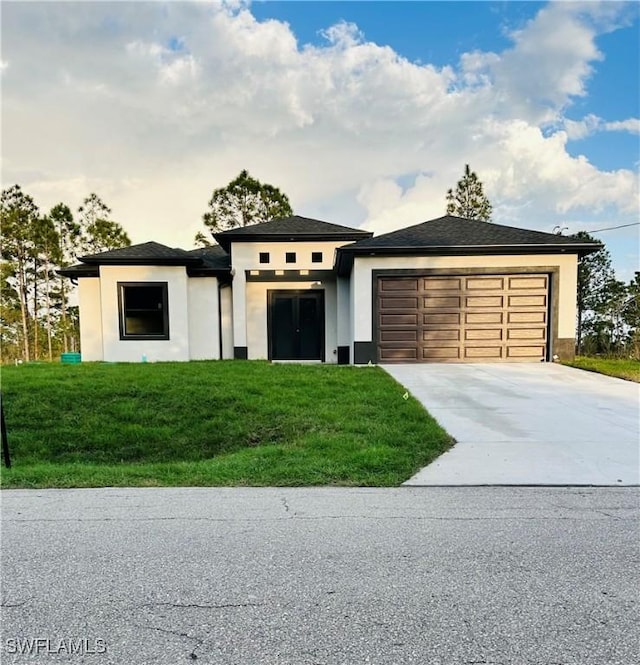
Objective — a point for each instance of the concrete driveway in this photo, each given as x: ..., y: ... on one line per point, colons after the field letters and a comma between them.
x: 528, y: 424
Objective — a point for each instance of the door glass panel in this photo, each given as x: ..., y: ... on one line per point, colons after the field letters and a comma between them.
x: 309, y: 326
x: 283, y: 334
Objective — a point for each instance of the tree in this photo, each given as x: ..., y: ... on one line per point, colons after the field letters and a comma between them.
x: 18, y: 218
x: 242, y: 202
x: 594, y: 274
x: 45, y: 260
x: 69, y: 236
x: 36, y: 318
x: 469, y: 200
x: 631, y: 315
x: 98, y: 232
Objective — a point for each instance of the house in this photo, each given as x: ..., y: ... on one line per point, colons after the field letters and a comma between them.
x: 299, y: 289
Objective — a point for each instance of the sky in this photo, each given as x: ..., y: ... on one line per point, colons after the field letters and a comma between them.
x: 363, y: 113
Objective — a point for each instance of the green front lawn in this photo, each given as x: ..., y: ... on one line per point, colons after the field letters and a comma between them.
x: 620, y: 368
x: 212, y: 423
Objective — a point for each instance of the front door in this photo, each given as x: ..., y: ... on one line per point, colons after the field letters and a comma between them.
x: 296, y: 325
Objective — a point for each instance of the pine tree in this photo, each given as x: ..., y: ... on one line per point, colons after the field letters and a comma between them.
x: 242, y: 202
x: 469, y: 200
x: 99, y: 232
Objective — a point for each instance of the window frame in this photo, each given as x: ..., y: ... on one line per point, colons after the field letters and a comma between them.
x: 124, y: 336
x: 290, y: 257
x: 264, y: 257
x: 316, y: 257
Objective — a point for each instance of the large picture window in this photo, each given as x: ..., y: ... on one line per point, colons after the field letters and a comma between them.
x: 144, y: 312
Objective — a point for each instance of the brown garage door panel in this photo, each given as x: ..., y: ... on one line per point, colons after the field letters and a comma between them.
x: 435, y: 335
x: 483, y: 352
x: 439, y: 284
x: 528, y: 301
x: 537, y: 282
x: 490, y: 333
x: 436, y: 319
x: 527, y: 317
x: 527, y: 333
x: 485, y: 283
x: 484, y: 301
x: 435, y: 353
x: 399, y: 354
x: 526, y: 351
x: 399, y: 285
x: 452, y: 302
x: 399, y: 319
x: 399, y: 335
x: 399, y: 303
x: 483, y: 318
x: 471, y: 318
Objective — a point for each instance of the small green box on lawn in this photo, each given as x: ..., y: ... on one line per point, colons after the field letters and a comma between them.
x: 70, y: 358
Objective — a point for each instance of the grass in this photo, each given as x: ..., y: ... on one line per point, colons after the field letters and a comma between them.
x: 212, y: 423
x: 620, y: 368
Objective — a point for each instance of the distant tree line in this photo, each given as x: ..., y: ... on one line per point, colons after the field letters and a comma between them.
x: 608, y: 308
x: 38, y: 320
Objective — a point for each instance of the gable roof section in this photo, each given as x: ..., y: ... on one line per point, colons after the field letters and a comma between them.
x: 290, y: 229
x: 147, y: 253
x: 202, y: 262
x: 456, y: 235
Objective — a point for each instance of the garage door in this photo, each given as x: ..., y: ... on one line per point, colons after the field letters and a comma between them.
x: 463, y: 318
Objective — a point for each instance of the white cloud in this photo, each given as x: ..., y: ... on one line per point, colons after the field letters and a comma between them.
x: 591, y: 124
x: 631, y: 125
x: 153, y: 105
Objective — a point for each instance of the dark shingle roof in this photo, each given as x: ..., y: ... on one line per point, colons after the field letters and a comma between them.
x: 214, y: 261
x: 145, y: 253
x: 290, y: 228
x: 450, y: 231
x: 79, y: 270
x: 206, y: 261
x: 457, y: 235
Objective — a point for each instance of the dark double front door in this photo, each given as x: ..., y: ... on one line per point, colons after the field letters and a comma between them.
x: 296, y: 325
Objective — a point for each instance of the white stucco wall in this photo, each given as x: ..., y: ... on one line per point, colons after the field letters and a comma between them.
x: 204, y: 331
x: 90, y: 306
x: 226, y: 321
x: 257, y: 333
x: 245, y: 255
x: 177, y: 346
x: 361, y: 282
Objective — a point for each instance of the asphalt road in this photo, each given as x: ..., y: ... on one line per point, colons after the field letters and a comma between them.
x: 321, y: 576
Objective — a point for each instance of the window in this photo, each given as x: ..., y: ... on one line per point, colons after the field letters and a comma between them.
x: 290, y: 257
x: 264, y: 257
x: 144, y: 313
x: 316, y: 257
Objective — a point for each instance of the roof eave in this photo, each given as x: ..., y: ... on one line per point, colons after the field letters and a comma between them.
x: 186, y: 261
x: 346, y: 255
x: 199, y: 271
x: 73, y: 272
x: 224, y: 238
x: 538, y: 248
